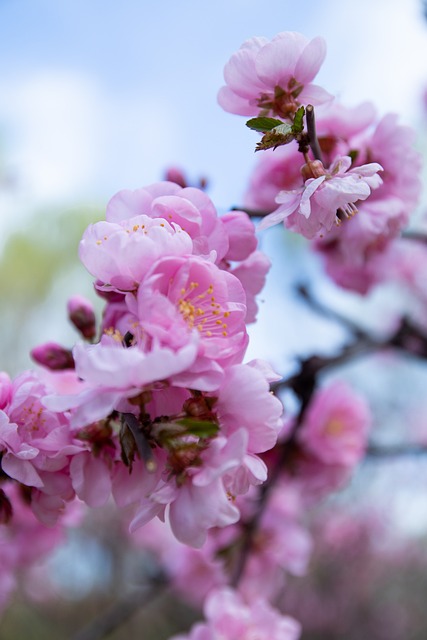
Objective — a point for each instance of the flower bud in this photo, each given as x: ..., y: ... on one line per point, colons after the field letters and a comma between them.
x: 5, y: 389
x: 173, y: 174
x: 82, y: 315
x: 53, y: 356
x: 6, y: 510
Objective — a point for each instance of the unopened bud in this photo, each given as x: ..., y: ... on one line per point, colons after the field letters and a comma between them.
x: 6, y: 510
x: 5, y: 389
x: 313, y: 169
x: 53, y: 356
x: 173, y: 174
x: 82, y: 315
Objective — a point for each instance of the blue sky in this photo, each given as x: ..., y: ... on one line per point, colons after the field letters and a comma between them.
x: 99, y: 95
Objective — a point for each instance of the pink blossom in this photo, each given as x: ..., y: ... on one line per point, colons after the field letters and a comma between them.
x: 200, y: 475
x: 241, y: 235
x: 193, y: 572
x: 356, y: 255
x: 336, y: 426
x: 252, y: 274
x: 53, y: 356
x: 273, y: 78
x: 282, y: 545
x: 109, y: 372
x: 353, y: 252
x: 36, y: 442
x: 244, y: 400
x: 198, y: 500
x: 23, y: 542
x: 120, y: 253
x: 312, y: 210
x: 5, y: 389
x: 185, y: 296
x: 188, y: 208
x: 278, y: 170
x: 82, y: 314
x: 228, y: 617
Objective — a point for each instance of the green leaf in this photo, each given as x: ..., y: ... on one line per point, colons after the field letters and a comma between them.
x: 353, y: 155
x: 298, y: 124
x: 200, y: 428
x: 263, y: 124
x: 278, y: 136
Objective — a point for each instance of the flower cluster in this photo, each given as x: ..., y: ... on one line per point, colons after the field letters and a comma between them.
x: 228, y: 617
x: 160, y: 411
x: 157, y: 409
x: 361, y: 165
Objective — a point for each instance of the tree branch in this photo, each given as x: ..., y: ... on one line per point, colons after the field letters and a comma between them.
x: 121, y: 611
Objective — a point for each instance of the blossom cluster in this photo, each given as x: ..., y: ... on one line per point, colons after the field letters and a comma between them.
x: 160, y: 411
x: 157, y: 409
x: 361, y: 165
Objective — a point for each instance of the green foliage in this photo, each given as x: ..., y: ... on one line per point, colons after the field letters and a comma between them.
x: 34, y: 260
x: 278, y: 136
x: 277, y: 133
x: 200, y: 428
x: 263, y: 124
x: 33, y: 257
x: 298, y: 124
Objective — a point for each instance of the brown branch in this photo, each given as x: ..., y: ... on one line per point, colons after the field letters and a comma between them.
x: 415, y: 235
x: 311, y: 130
x: 120, y: 612
x: 252, y: 213
x: 395, y: 451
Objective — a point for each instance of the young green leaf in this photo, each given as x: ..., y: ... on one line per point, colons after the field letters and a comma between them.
x: 200, y: 428
x: 298, y: 124
x: 263, y: 124
x: 278, y: 136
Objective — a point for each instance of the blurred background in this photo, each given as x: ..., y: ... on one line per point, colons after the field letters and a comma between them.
x: 99, y: 96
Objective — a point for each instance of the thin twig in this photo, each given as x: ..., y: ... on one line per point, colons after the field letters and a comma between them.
x: 415, y: 235
x: 311, y: 130
x: 252, y: 213
x: 120, y: 612
x: 395, y: 451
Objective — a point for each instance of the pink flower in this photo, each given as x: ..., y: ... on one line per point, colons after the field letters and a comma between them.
x: 336, y: 426
x: 82, y: 314
x: 252, y: 274
x: 273, y: 78
x: 120, y: 254
x: 36, y: 442
x: 195, y: 492
x: 189, y: 208
x: 356, y: 254
x: 313, y: 209
x: 244, y: 400
x: 241, y: 235
x: 229, y: 618
x: 110, y: 373
x: 185, y: 296
x: 278, y: 170
x: 353, y: 252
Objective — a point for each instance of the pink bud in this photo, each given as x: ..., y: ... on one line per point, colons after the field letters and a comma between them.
x: 173, y: 174
x: 6, y: 510
x: 53, y: 356
x: 82, y: 315
x: 5, y: 389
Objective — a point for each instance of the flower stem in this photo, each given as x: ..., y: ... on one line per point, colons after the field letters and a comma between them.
x: 311, y: 130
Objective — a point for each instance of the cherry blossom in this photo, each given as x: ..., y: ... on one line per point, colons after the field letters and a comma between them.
x: 336, y: 426
x: 228, y: 618
x: 316, y: 207
x: 273, y: 77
